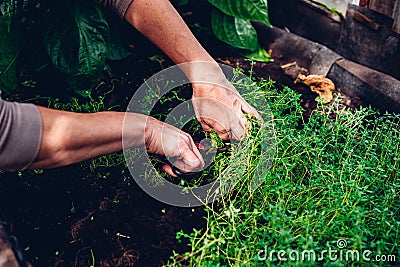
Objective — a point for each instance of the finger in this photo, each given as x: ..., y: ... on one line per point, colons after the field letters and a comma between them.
x: 222, y: 132
x: 257, y: 115
x: 237, y: 125
x: 185, y: 167
x: 248, y: 109
x: 196, y: 151
x: 238, y: 131
x: 168, y: 169
x: 190, y: 158
x: 188, y: 163
x: 253, y: 112
x: 205, y: 126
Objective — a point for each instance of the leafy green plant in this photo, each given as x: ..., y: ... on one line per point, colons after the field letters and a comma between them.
x: 76, y: 35
x: 73, y: 35
x: 234, y: 31
x: 231, y: 23
x: 9, y: 50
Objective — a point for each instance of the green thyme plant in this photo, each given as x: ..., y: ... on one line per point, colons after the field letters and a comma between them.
x: 334, y: 177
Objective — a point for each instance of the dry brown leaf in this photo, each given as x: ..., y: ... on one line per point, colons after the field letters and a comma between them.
x: 324, y: 87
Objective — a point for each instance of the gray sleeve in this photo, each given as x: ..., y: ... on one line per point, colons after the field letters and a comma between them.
x: 119, y: 6
x: 20, y: 135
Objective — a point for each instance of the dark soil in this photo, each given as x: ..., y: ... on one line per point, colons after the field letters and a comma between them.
x: 72, y: 216
x: 61, y: 215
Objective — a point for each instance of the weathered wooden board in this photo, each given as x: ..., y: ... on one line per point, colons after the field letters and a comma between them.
x: 382, y: 6
x: 373, y: 87
x: 367, y: 38
x: 390, y: 8
x: 396, y: 17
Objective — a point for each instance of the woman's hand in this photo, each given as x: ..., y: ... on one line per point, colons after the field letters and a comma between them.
x: 165, y: 139
x: 221, y: 108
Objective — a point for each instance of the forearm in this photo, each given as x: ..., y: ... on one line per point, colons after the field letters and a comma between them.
x: 161, y: 23
x: 73, y: 137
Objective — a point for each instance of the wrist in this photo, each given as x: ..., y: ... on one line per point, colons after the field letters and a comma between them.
x: 135, y: 127
x: 148, y: 133
x: 203, y: 71
x: 205, y: 77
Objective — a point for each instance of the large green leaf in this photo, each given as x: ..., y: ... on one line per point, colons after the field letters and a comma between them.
x: 77, y: 41
x: 234, y: 31
x: 10, y: 44
x: 256, y: 10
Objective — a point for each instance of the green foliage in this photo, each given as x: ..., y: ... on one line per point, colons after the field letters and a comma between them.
x: 77, y: 38
x: 256, y: 10
x: 333, y: 177
x: 10, y: 45
x: 234, y: 31
x: 75, y: 35
x: 231, y: 23
x: 260, y: 55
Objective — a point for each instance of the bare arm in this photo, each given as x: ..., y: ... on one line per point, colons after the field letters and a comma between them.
x: 160, y: 22
x: 73, y: 137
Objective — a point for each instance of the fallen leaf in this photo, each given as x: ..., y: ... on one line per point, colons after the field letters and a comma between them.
x: 324, y: 87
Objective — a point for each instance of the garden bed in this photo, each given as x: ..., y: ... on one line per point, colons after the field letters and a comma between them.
x: 95, y: 212
x: 334, y: 176
x: 66, y: 216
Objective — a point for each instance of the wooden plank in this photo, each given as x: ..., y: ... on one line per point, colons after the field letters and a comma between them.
x: 396, y: 17
x: 367, y: 38
x: 372, y: 87
x: 383, y: 6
